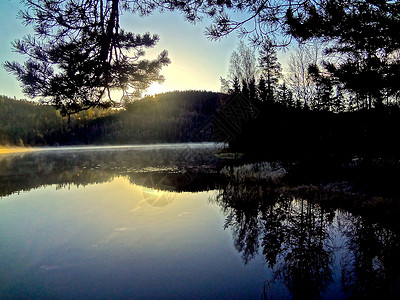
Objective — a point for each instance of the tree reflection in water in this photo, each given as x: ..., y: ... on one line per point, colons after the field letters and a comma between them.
x: 299, y: 241
x: 371, y: 263
x: 308, y: 244
x: 173, y: 167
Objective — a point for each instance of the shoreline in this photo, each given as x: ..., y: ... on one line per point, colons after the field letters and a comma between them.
x: 7, y: 150
x: 13, y: 149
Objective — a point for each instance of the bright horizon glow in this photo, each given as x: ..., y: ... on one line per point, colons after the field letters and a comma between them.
x: 196, y: 62
x: 155, y: 89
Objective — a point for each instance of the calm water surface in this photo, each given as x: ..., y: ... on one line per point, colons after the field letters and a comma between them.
x: 158, y: 223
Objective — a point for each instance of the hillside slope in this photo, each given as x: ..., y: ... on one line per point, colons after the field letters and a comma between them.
x: 169, y: 117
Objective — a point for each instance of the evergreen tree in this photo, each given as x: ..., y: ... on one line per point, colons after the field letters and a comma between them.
x: 236, y: 85
x: 252, y: 90
x: 245, y: 89
x: 364, y: 36
x: 262, y: 89
x: 285, y: 96
x: 230, y: 86
x: 324, y: 89
x: 270, y: 68
x: 80, y: 54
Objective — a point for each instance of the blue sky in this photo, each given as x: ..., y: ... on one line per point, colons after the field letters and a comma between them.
x: 197, y: 63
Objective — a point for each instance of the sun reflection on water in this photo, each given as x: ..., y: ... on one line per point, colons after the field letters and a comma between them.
x: 158, y: 198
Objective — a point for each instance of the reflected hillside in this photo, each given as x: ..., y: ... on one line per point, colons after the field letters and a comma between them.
x: 191, y: 168
x: 177, y: 167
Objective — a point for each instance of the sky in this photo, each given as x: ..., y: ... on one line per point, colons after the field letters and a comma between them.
x: 196, y: 62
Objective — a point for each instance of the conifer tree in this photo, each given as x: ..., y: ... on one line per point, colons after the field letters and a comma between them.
x: 80, y: 55
x: 365, y: 39
x: 262, y: 89
x: 270, y: 68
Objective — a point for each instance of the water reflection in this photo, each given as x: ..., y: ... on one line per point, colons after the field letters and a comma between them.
x: 371, y: 262
x: 106, y: 241
x: 310, y: 245
x: 175, y: 167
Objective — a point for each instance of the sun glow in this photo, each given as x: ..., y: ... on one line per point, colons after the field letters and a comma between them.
x: 157, y: 198
x: 155, y: 88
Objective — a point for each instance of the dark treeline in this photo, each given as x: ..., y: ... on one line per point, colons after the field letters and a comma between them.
x: 303, y: 115
x: 273, y: 129
x: 169, y: 117
x: 334, y: 99
x: 300, y: 133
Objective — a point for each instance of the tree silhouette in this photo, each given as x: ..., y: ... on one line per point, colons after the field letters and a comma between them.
x: 298, y: 78
x: 258, y: 20
x: 270, y: 68
x: 363, y: 35
x: 80, y: 55
x: 370, y: 267
x: 252, y: 90
x: 308, y: 259
x: 324, y: 89
x: 262, y: 89
x: 242, y: 70
x: 294, y: 234
x: 284, y: 95
x: 236, y: 85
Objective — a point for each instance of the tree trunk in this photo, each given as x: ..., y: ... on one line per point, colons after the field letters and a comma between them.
x: 112, y: 24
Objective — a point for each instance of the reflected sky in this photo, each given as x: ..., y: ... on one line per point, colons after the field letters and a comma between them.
x: 161, y: 222
x: 116, y: 240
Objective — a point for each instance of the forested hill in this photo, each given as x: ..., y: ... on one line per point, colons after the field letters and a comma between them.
x: 169, y: 117
x: 26, y: 123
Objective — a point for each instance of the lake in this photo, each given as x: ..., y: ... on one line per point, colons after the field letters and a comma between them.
x: 180, y: 221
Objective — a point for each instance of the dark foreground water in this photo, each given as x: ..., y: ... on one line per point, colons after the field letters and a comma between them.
x: 158, y: 222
